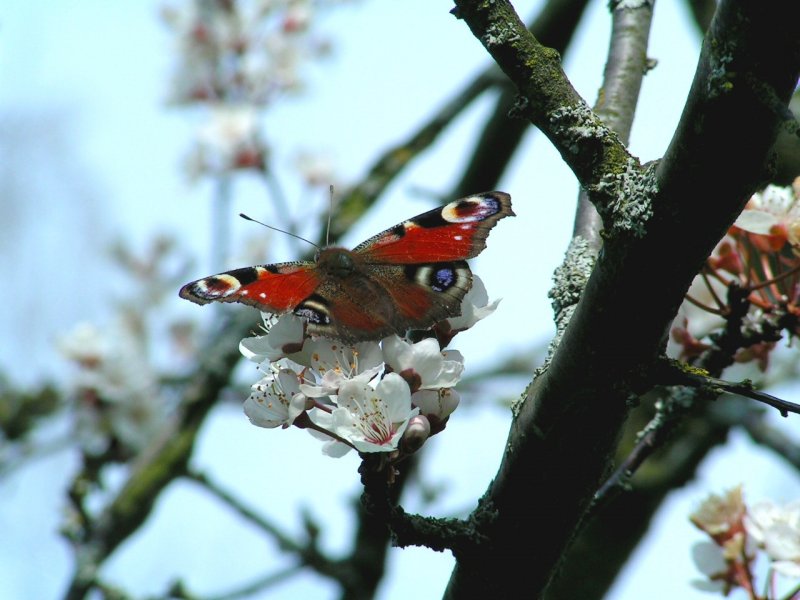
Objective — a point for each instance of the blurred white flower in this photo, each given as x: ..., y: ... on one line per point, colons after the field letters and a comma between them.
x: 316, y: 168
x: 720, y: 515
x: 230, y: 140
x: 245, y: 52
x: 115, y: 390
x: 708, y: 559
x: 777, y: 530
x: 775, y: 211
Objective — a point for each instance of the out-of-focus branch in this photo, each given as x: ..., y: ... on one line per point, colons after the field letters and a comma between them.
x: 555, y: 26
x: 770, y: 437
x: 360, y: 197
x: 592, y: 564
x: 163, y: 462
x: 283, y: 539
x: 703, y: 12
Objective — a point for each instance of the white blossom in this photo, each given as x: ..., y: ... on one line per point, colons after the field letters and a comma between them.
x: 777, y: 530
x: 370, y: 419
x: 474, y: 307
x: 275, y: 400
x: 423, y: 362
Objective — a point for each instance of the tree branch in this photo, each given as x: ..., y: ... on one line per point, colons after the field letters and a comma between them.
x: 555, y: 26
x: 547, y: 97
x: 162, y: 463
x: 565, y: 431
x: 616, y: 103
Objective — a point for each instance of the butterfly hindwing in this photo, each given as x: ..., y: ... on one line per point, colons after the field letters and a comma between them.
x: 455, y: 231
x: 377, y: 300
x: 274, y: 288
x: 424, y: 294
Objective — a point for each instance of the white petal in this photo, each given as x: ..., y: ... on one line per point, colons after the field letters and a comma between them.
x: 756, y: 221
x: 395, y: 391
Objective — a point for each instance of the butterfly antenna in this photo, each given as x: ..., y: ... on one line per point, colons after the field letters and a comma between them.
x: 330, y: 212
x: 294, y: 235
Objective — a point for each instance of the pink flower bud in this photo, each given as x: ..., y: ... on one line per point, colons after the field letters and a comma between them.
x: 417, y: 432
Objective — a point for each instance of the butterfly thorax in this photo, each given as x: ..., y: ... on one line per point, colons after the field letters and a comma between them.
x: 338, y: 262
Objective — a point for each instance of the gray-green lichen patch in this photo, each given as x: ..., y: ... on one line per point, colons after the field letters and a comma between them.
x: 571, y: 276
x: 569, y: 281
x: 576, y: 124
x: 720, y: 77
x: 498, y: 34
x: 630, y: 193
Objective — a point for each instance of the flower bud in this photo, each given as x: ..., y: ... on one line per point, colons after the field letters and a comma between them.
x: 417, y: 432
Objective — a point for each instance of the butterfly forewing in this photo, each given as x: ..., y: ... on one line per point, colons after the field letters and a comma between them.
x: 453, y: 232
x: 274, y: 288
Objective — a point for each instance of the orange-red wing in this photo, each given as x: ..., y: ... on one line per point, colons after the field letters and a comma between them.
x: 274, y: 288
x: 453, y: 232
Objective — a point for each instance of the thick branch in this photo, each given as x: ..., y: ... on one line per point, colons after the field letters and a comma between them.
x: 547, y: 97
x: 555, y: 26
x: 565, y: 432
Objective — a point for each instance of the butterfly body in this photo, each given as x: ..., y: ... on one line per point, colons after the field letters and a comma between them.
x: 407, y: 277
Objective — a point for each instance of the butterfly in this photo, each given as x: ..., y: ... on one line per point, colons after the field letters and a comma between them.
x: 408, y: 277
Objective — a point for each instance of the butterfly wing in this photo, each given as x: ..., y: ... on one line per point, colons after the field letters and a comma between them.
x: 416, y: 270
x: 455, y: 231
x: 374, y: 301
x: 274, y: 288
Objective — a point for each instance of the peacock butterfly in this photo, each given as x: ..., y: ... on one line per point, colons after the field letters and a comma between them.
x: 407, y: 277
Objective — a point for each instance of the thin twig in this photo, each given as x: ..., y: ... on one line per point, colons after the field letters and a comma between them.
x: 283, y: 539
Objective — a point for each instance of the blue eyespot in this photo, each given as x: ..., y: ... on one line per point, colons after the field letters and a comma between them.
x: 443, y: 279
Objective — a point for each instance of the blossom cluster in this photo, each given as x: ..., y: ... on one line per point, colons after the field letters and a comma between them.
x: 116, y: 405
x: 738, y: 535
x: 236, y: 58
x: 759, y: 261
x: 246, y: 52
x: 388, y: 396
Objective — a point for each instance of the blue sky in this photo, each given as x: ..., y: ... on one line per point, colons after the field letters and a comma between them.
x: 98, y: 154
